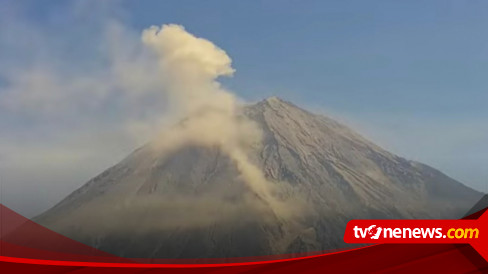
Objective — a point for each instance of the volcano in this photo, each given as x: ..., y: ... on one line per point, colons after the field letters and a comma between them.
x: 194, y: 203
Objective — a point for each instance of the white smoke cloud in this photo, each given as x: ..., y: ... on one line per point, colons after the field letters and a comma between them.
x: 190, y: 67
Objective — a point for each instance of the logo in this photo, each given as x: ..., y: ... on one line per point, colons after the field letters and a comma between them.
x: 373, y: 232
x: 467, y: 231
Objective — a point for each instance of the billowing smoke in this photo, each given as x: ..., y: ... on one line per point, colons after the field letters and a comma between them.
x: 210, y: 115
x: 162, y: 84
x: 203, y: 114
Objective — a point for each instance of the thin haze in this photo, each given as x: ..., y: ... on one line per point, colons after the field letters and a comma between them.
x: 79, y: 91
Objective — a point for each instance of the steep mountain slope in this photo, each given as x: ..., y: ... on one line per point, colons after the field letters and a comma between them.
x: 194, y: 203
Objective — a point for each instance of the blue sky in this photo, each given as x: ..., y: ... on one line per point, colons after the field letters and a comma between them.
x: 410, y: 75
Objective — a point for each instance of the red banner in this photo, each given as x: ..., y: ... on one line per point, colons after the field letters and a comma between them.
x: 31, y: 248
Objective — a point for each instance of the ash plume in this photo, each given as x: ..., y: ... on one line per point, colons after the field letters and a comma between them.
x: 210, y: 114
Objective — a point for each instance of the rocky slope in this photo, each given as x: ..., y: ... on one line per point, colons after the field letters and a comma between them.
x: 194, y: 203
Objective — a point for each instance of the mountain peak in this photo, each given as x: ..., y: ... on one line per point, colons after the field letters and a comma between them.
x: 274, y: 102
x: 274, y: 99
